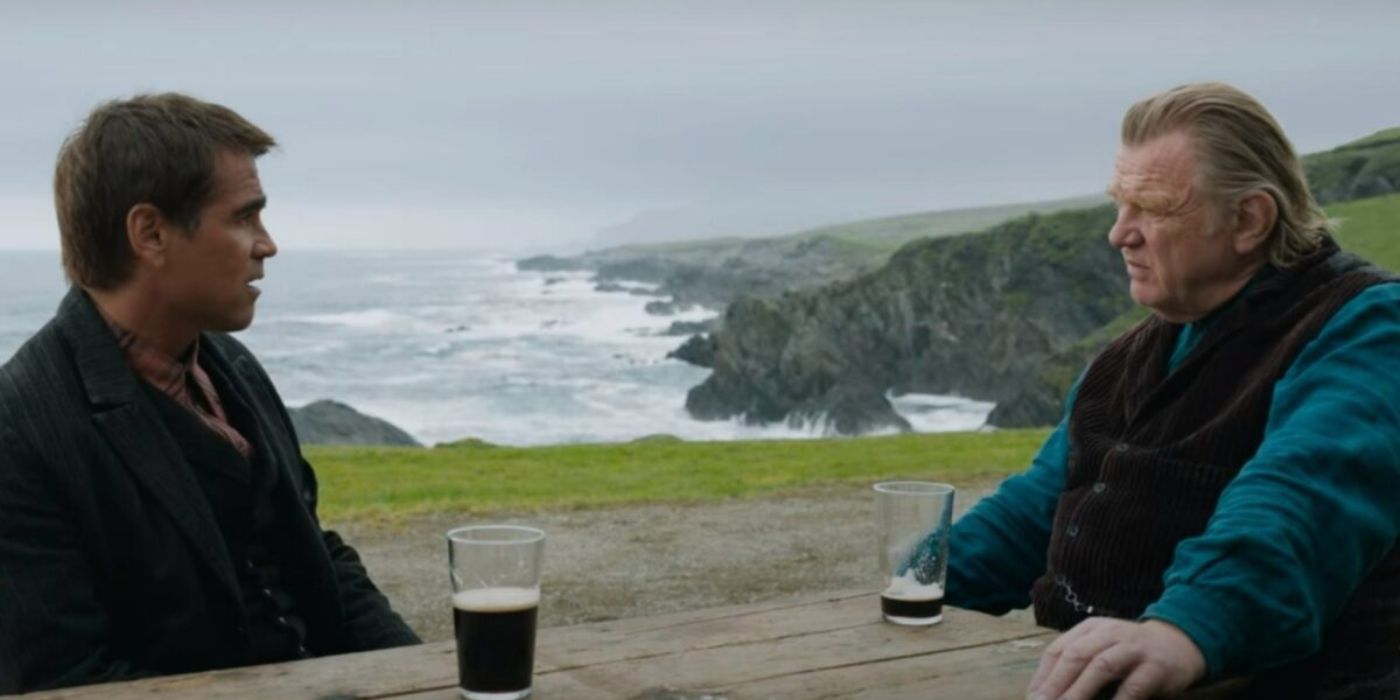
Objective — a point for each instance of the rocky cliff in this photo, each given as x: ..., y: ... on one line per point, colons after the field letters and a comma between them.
x: 972, y: 315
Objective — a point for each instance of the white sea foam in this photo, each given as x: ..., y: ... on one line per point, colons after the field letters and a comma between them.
x: 931, y: 413
x: 368, y: 318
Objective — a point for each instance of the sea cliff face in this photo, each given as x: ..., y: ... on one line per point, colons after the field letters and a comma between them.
x: 971, y: 315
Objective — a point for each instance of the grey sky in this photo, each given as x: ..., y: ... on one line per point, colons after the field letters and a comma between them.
x: 533, y: 125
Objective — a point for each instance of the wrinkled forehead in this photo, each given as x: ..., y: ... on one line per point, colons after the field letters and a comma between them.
x: 1163, y: 168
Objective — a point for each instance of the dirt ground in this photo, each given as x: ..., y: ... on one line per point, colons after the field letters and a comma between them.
x: 610, y: 563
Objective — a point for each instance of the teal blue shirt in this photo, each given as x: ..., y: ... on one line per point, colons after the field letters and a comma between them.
x: 1292, y: 535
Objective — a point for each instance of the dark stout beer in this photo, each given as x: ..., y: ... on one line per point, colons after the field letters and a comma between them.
x: 909, y: 603
x: 920, y: 609
x: 495, y: 638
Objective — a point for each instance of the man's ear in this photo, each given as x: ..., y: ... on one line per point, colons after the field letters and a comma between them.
x: 147, y: 232
x: 1254, y: 220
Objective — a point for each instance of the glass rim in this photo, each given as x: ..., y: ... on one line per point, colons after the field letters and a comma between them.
x: 463, y: 534
x: 914, y: 488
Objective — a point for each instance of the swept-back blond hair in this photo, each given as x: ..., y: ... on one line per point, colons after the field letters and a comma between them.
x: 1241, y: 149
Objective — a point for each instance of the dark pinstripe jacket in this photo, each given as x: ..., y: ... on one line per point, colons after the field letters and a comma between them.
x: 111, y: 563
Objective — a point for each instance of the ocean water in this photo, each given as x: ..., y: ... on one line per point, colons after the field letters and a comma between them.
x: 450, y: 345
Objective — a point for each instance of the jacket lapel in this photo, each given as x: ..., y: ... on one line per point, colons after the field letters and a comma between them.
x: 273, y: 443
x: 137, y: 435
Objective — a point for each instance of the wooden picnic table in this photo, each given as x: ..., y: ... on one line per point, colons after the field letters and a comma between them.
x: 824, y: 646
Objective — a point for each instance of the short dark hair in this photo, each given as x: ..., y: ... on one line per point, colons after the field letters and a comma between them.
x: 156, y: 149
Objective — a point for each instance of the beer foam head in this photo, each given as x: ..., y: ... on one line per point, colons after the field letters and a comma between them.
x: 906, y: 587
x: 496, y: 599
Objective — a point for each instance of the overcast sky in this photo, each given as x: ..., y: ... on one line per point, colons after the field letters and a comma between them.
x: 533, y: 126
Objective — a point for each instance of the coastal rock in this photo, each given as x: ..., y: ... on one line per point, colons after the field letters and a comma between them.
x: 667, y: 308
x: 1040, y: 399
x: 659, y: 438
x: 327, y: 422
x: 853, y: 407
x: 647, y: 268
x: 468, y: 443
x: 698, y: 351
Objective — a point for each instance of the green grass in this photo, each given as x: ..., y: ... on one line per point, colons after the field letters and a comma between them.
x: 1371, y: 228
x: 386, y: 484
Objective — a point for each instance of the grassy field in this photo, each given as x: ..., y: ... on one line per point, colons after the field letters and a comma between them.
x: 1371, y: 228
x: 389, y: 483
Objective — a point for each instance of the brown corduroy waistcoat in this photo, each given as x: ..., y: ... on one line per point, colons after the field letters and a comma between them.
x: 1151, y: 452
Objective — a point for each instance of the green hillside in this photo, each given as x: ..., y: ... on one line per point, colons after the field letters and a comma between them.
x: 889, y: 233
x: 883, y: 235
x: 1366, y: 167
x: 359, y: 483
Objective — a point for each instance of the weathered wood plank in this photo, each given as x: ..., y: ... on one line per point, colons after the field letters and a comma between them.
x: 988, y: 671
x: 365, y: 675
x: 710, y: 648
x: 433, y: 666
x: 736, y: 663
x: 587, y: 645
x: 992, y: 671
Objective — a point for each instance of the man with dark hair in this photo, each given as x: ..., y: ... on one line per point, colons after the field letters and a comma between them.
x: 1221, y: 497
x: 156, y: 514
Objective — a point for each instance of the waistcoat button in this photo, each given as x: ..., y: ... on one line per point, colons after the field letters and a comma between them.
x: 1072, y: 531
x: 1099, y: 487
x: 1121, y: 447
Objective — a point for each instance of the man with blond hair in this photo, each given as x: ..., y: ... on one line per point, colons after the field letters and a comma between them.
x: 156, y: 515
x: 1221, y: 497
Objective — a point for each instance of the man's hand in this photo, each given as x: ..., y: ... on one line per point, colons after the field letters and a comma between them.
x: 1152, y: 658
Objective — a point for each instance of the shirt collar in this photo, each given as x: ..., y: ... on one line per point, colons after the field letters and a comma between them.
x: 166, y: 373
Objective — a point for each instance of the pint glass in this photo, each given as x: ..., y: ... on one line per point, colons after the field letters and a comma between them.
x: 913, y: 518
x: 495, y: 603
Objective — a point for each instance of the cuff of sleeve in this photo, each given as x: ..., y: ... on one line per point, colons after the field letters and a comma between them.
x: 1205, y: 617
